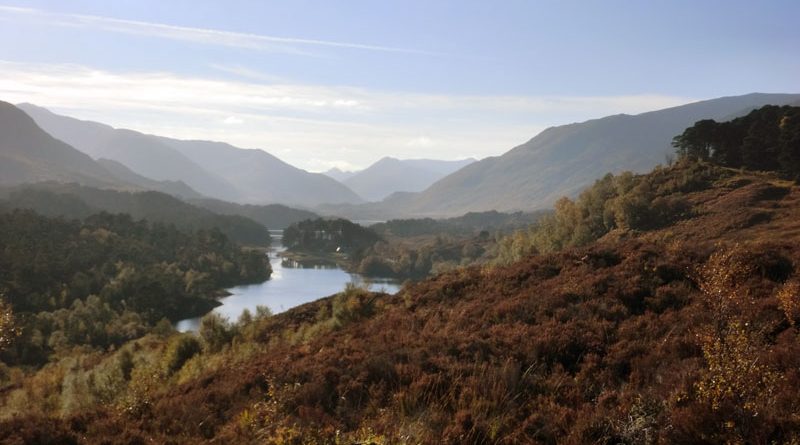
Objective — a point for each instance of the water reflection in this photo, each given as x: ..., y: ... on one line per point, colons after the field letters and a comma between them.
x: 291, y: 284
x: 294, y: 264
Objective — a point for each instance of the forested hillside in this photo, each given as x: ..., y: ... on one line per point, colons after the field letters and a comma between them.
x: 108, y: 279
x: 75, y: 201
x: 328, y: 236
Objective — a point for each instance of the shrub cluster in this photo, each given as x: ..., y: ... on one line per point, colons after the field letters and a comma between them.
x: 625, y: 201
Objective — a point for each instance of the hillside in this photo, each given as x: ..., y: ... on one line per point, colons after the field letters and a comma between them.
x: 28, y: 154
x: 78, y: 202
x: 143, y: 154
x: 390, y: 175
x: 681, y: 334
x: 262, y: 178
x: 563, y: 160
x: 272, y: 216
x: 213, y: 169
x: 179, y: 189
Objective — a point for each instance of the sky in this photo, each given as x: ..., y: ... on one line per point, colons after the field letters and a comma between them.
x: 330, y: 83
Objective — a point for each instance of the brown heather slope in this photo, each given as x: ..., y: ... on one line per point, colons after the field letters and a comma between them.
x: 627, y: 340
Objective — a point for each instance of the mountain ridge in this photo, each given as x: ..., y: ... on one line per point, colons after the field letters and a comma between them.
x: 561, y: 160
x: 231, y: 173
x: 390, y: 175
x: 136, y: 151
x: 29, y: 154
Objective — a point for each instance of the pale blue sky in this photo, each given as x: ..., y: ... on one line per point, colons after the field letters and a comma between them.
x: 344, y: 83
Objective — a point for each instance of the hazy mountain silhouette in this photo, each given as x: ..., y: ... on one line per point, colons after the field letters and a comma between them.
x: 263, y: 178
x: 273, y: 216
x: 29, y: 154
x: 390, y: 175
x: 338, y: 174
x: 565, y: 159
x: 144, y: 154
x: 175, y: 188
x: 213, y: 169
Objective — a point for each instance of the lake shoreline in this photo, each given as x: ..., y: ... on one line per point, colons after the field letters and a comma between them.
x: 296, y: 279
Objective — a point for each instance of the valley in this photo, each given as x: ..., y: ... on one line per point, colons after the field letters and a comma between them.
x: 384, y: 223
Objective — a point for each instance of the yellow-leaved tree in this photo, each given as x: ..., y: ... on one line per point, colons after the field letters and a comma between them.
x: 8, y: 329
x: 736, y: 381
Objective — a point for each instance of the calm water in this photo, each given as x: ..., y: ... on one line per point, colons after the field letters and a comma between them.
x: 290, y: 285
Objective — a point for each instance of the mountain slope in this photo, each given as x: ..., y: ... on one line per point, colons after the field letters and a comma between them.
x: 29, y: 154
x: 178, y: 189
x: 213, y: 169
x: 563, y: 160
x: 390, y: 175
x: 263, y: 178
x: 273, y: 216
x: 145, y: 155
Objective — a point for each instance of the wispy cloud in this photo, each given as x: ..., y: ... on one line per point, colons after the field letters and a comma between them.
x: 232, y: 120
x: 292, y: 45
x: 247, y: 73
x: 311, y: 126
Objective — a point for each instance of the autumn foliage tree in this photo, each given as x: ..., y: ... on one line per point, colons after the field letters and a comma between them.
x: 8, y: 329
x: 737, y: 382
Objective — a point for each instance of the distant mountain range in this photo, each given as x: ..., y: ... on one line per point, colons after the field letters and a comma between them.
x: 28, y: 154
x: 51, y: 177
x: 340, y: 175
x: 390, y: 175
x: 560, y: 161
x: 213, y: 169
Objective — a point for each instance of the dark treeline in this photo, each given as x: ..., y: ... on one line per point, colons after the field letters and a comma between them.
x: 766, y: 139
x: 106, y: 279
